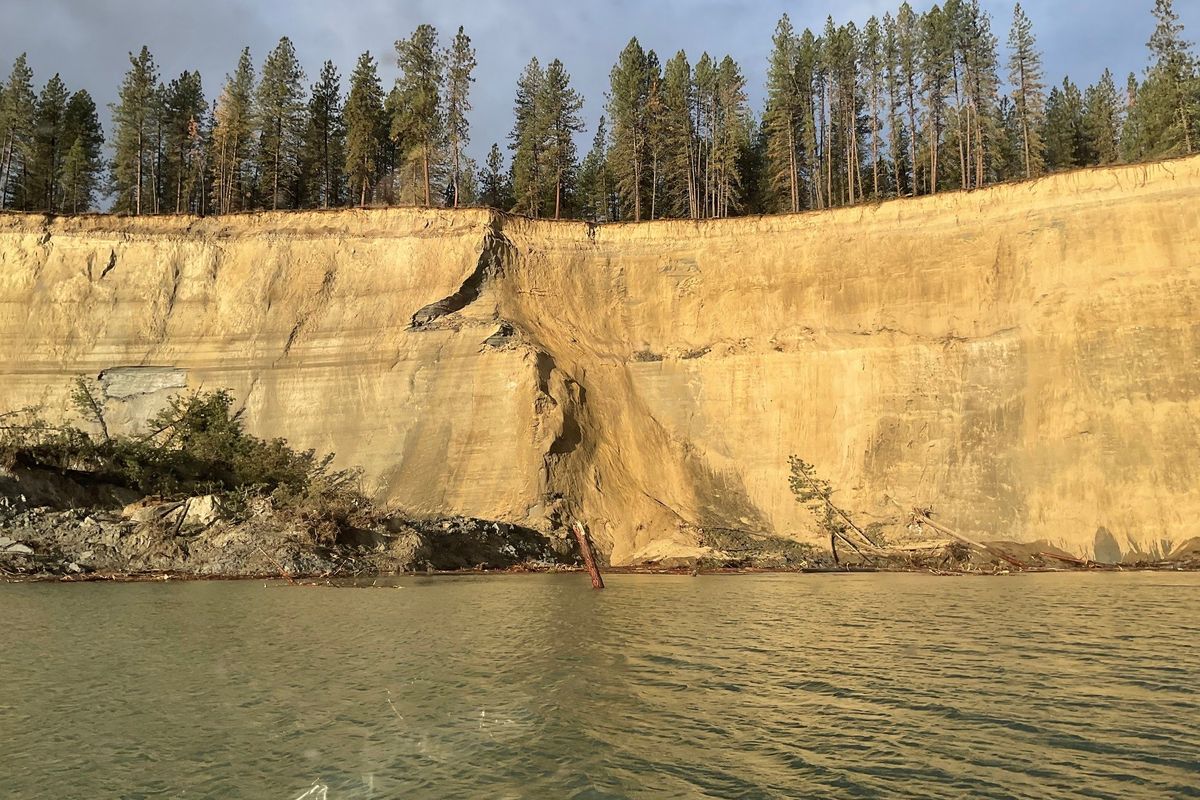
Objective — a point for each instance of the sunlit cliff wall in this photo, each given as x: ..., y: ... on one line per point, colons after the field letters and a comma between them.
x: 1025, y: 359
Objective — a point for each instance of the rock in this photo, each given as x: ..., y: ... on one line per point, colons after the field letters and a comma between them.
x: 74, y: 568
x: 19, y: 549
x: 5, y: 542
x: 204, y: 510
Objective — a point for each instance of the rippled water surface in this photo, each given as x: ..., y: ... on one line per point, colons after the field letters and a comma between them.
x: 535, y: 686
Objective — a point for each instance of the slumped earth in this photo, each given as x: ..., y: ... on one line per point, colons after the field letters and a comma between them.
x: 1048, y: 686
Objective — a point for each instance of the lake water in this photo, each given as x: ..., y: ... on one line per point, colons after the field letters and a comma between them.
x: 1065, y: 685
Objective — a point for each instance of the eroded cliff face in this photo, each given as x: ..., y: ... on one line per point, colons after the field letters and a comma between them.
x: 1025, y: 360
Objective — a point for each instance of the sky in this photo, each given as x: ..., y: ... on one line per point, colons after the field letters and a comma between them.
x: 87, y: 41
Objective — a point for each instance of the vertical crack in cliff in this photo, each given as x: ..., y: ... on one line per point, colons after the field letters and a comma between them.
x: 310, y: 310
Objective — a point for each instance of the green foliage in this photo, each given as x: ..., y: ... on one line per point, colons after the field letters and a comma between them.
x: 134, y: 116
x: 324, y: 153
x: 197, y: 444
x: 365, y: 132
x: 816, y: 494
x: 281, y: 123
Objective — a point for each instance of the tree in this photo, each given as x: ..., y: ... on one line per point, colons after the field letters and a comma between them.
x: 495, y: 189
x: 678, y: 141
x: 526, y: 140
x: 1028, y: 94
x: 281, y: 125
x: 1102, y: 120
x: 1064, y: 134
x: 184, y: 109
x: 559, y: 107
x: 17, y: 109
x: 627, y: 103
x: 908, y: 50
x: 419, y: 125
x: 782, y: 119
x: 325, y: 139
x: 1169, y: 103
x: 937, y: 65
x: 135, y: 116
x: 594, y: 183
x: 232, y: 138
x: 83, y: 163
x: 365, y: 129
x: 459, y: 76
x: 873, y: 61
x: 49, y: 147
x: 897, y: 135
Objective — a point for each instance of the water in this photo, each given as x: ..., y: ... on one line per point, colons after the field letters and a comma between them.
x: 535, y: 686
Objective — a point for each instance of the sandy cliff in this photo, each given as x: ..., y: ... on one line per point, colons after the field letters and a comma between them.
x: 1025, y: 360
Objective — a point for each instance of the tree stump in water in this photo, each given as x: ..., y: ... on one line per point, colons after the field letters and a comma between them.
x: 585, y: 549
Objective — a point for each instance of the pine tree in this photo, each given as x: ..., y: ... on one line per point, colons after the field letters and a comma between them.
x: 731, y: 140
x: 419, y: 126
x: 135, y: 116
x: 460, y: 70
x: 627, y: 103
x: 325, y: 140
x: 873, y: 60
x: 897, y: 134
x: 559, y: 107
x: 1169, y: 104
x: 495, y: 189
x: 184, y: 109
x: 937, y: 65
x: 83, y: 164
x: 1102, y: 120
x: 1029, y: 101
x: 525, y: 141
x: 232, y: 138
x: 782, y: 120
x: 680, y: 183
x: 17, y: 110
x: 594, y: 183
x: 49, y: 147
x: 909, y: 47
x: 1063, y: 135
x: 280, y: 120
x: 365, y: 129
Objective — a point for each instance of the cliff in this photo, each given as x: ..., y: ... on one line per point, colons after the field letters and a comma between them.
x: 1025, y: 359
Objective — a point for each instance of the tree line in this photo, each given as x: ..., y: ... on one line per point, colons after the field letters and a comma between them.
x: 907, y: 104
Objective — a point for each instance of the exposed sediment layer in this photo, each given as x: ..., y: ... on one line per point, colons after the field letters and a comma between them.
x: 1025, y: 359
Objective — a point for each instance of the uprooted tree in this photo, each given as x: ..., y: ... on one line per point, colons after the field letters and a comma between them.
x: 816, y: 494
x: 197, y: 444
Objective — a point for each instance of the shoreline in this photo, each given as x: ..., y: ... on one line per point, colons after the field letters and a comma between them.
x: 357, y: 581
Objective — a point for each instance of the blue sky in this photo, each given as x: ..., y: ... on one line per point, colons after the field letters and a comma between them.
x: 87, y: 40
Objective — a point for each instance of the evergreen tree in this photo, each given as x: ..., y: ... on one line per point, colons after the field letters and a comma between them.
x: 83, y: 164
x: 184, y: 109
x: 17, y: 111
x: 1169, y: 105
x: 595, y: 196
x: 526, y: 140
x: 937, y: 66
x: 135, y: 118
x: 459, y: 76
x: 495, y: 189
x: 897, y: 135
x: 365, y: 129
x: 49, y: 147
x: 1102, y: 120
x: 232, y: 139
x: 873, y: 60
x: 419, y: 126
x: 325, y: 140
x: 679, y: 143
x: 782, y: 120
x: 280, y: 111
x: 731, y: 138
x: 1064, y: 136
x: 1028, y: 94
x: 627, y: 112
x: 909, y: 48
x: 559, y: 107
